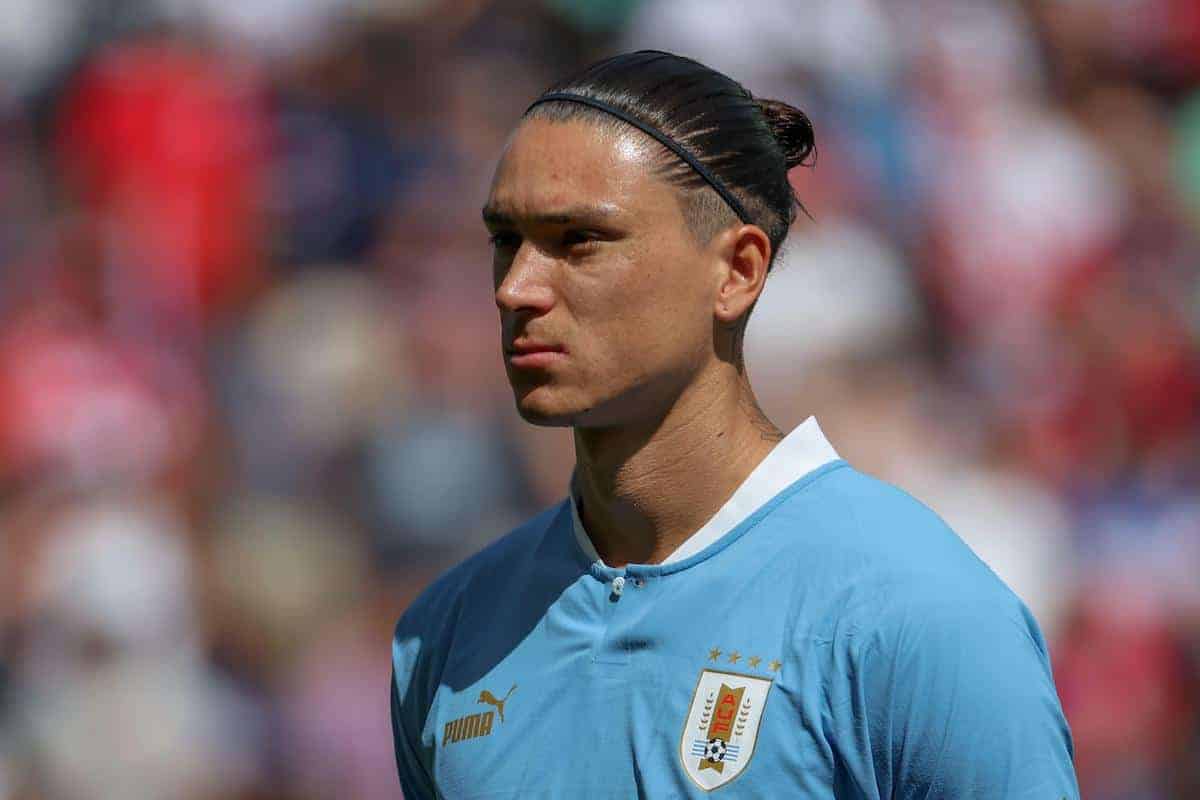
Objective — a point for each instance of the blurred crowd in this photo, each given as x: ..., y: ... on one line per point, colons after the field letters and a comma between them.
x: 251, y: 390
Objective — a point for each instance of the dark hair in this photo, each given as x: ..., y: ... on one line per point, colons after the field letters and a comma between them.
x: 748, y: 143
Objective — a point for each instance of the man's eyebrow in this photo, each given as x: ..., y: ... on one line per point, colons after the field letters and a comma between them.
x: 498, y: 216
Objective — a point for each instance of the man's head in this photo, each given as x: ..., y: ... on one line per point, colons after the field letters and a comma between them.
x: 628, y: 254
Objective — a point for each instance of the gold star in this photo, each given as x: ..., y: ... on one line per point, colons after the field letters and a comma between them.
x: 714, y: 654
x: 753, y: 661
x: 734, y: 656
x: 774, y: 666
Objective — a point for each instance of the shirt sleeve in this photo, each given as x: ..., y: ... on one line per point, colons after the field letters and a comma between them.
x: 415, y: 780
x: 961, y: 704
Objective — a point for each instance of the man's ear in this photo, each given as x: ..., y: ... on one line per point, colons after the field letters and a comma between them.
x: 744, y: 252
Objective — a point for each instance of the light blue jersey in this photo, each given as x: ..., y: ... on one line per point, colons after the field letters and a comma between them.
x: 824, y: 636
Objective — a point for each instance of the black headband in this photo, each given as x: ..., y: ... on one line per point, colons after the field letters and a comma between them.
x: 667, y: 141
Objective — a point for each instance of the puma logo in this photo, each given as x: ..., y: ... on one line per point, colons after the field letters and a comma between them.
x: 487, y: 697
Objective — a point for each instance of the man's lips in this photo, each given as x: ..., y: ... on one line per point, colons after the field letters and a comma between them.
x: 520, y: 347
x: 533, y: 354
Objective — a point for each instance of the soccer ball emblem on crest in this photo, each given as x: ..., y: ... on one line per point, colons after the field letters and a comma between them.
x: 715, y: 751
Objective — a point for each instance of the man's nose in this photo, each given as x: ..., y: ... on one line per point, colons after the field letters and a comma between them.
x: 527, y: 281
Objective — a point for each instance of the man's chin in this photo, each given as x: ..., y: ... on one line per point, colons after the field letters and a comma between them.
x: 538, y: 408
x: 535, y: 415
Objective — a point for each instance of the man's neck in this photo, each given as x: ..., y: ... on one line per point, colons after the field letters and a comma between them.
x: 644, y: 490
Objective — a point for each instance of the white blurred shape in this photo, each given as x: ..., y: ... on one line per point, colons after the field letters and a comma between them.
x: 33, y: 36
x: 1023, y: 201
x: 762, y: 44
x: 119, y: 570
x: 114, y: 692
x: 277, y: 27
x: 836, y: 288
x: 1015, y: 527
x: 984, y: 49
x: 140, y: 729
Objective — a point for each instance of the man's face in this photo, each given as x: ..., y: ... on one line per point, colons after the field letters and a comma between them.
x: 592, y: 255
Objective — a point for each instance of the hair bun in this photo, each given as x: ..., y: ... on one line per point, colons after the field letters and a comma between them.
x: 792, y: 129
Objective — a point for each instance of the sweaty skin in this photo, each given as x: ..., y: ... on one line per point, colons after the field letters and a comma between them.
x: 592, y: 254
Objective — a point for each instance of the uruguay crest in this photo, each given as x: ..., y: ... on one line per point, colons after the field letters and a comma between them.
x: 722, y: 726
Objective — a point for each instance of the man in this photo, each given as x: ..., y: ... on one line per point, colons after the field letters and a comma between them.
x: 715, y: 607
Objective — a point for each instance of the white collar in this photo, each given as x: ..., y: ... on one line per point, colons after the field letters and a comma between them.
x: 797, y: 454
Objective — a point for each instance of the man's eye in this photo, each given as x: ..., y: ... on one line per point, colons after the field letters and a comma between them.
x: 572, y: 238
x: 504, y: 240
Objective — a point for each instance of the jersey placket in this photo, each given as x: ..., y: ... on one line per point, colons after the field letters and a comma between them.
x: 625, y: 598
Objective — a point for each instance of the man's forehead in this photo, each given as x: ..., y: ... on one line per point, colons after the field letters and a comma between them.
x: 555, y: 168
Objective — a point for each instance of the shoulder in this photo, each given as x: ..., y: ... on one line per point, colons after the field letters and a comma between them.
x: 931, y: 593
x: 944, y: 662
x: 445, y: 596
x: 886, y: 558
x: 873, y: 515
x: 427, y: 631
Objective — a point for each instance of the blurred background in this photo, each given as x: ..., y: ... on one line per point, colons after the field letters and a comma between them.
x: 251, y: 390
